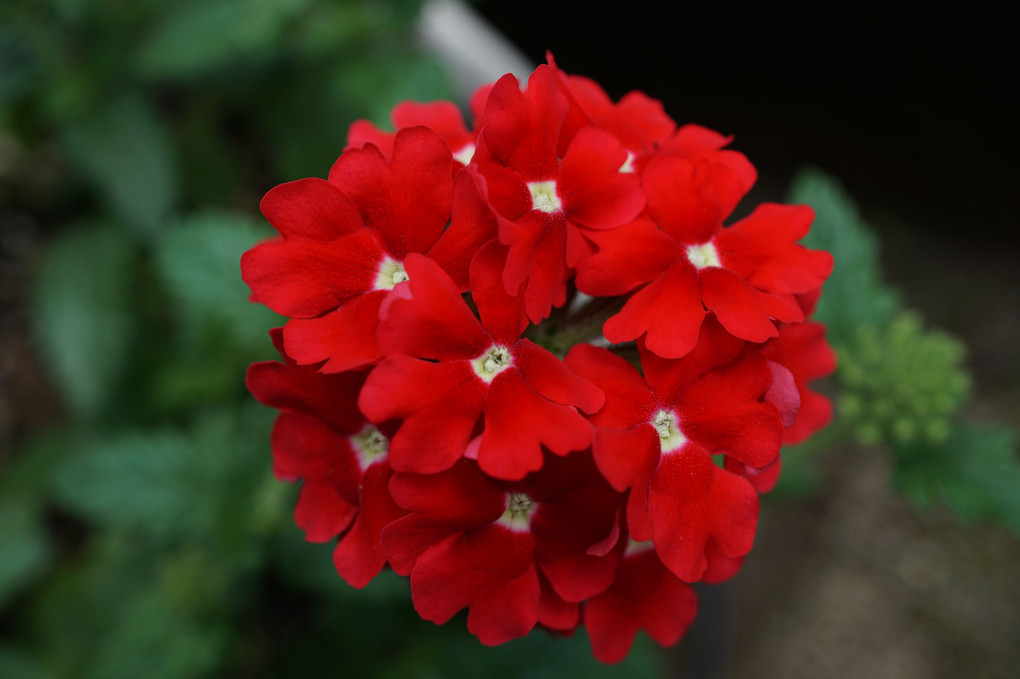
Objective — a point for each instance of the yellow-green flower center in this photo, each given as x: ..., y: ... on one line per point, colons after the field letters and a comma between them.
x: 519, y: 508
x: 544, y: 197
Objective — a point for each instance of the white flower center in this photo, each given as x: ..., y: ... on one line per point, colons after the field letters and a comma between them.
x: 390, y: 273
x: 466, y: 153
x: 670, y: 436
x: 369, y: 445
x: 544, y: 197
x: 517, y: 515
x: 703, y: 255
x: 628, y: 165
x: 492, y: 362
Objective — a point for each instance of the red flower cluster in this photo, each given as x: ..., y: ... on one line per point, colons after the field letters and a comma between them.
x: 435, y: 433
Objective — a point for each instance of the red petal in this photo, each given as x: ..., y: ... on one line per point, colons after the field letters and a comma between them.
x: 692, y: 500
x: 472, y: 225
x: 626, y: 258
x: 439, y: 403
x: 762, y: 249
x: 626, y: 456
x: 741, y: 309
x: 521, y: 128
x: 491, y: 572
x: 303, y: 277
x: 645, y: 596
x: 721, y: 412
x: 667, y: 311
x: 407, y: 200
x: 669, y: 378
x: 554, y: 612
x: 359, y: 556
x: 304, y: 447
x: 720, y: 567
x: 345, y: 338
x: 502, y: 314
x: 434, y: 322
x: 519, y: 421
x: 461, y: 496
x: 310, y: 208
x: 442, y: 117
x: 321, y: 513
x: 628, y: 400
x: 687, y: 199
x: 552, y: 378
x: 564, y: 529
x: 595, y: 194
x: 783, y: 394
x: 331, y: 398
x: 362, y: 132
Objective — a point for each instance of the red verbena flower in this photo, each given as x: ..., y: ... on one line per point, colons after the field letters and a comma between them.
x: 433, y: 285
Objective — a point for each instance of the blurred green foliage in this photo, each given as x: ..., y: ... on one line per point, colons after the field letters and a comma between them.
x: 899, y: 384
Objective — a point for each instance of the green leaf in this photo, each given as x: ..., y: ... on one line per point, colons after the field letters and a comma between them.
x: 975, y: 472
x: 25, y: 547
x: 171, y: 484
x: 81, y: 314
x: 199, y: 264
x: 195, y: 38
x: 118, y: 611
x: 14, y: 663
x: 854, y: 295
x: 123, y: 149
x: 17, y: 66
x: 376, y: 85
x: 140, y: 479
x: 152, y: 626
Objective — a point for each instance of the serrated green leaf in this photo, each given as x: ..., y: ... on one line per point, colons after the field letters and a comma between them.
x: 975, y: 472
x: 123, y: 149
x: 854, y: 295
x: 81, y: 315
x: 25, y: 549
x: 172, y: 485
x: 199, y: 264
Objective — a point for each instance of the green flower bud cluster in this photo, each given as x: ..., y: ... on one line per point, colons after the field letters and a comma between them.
x: 901, y: 383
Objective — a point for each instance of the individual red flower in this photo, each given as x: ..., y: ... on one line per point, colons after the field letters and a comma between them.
x: 747, y: 274
x: 321, y: 437
x: 343, y: 243
x: 447, y: 372
x: 544, y: 202
x: 657, y: 438
x: 471, y: 541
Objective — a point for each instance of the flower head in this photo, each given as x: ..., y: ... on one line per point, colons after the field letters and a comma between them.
x: 429, y: 283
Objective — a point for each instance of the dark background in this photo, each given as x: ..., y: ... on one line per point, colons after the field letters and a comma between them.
x: 907, y: 105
